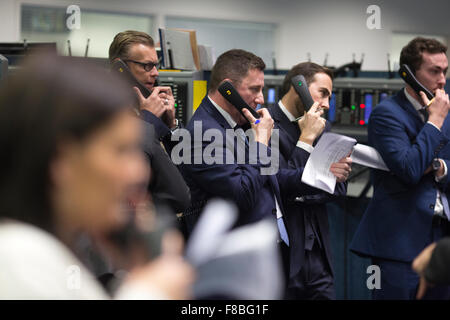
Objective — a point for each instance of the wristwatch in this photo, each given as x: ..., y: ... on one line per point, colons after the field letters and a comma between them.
x: 436, y: 165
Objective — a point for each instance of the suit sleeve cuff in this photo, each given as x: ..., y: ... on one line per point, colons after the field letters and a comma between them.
x: 433, y: 125
x: 161, y: 129
x: 305, y: 146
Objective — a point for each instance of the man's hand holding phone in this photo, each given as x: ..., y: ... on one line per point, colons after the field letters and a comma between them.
x: 262, y: 127
x: 169, y: 102
x: 160, y: 102
x: 438, y: 108
x: 311, y: 124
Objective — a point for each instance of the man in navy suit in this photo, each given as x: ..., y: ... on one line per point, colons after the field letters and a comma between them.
x: 224, y: 166
x: 409, y: 208
x: 309, y: 256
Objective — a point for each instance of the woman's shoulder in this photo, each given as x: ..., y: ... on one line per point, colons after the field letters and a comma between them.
x: 36, y: 265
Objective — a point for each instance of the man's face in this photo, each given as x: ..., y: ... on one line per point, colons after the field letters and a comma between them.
x: 320, y: 89
x: 145, y: 54
x: 250, y: 89
x: 432, y: 71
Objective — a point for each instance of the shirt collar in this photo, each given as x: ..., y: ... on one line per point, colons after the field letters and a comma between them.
x: 286, y: 111
x: 224, y: 113
x: 416, y: 104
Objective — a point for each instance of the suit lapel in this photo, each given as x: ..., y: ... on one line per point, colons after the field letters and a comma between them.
x: 214, y: 113
x: 291, y: 129
x: 408, y: 107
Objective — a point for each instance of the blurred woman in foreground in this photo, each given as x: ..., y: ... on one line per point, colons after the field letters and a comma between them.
x: 70, y: 159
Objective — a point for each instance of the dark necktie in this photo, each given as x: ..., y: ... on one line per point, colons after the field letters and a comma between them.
x: 280, y: 221
x: 424, y: 112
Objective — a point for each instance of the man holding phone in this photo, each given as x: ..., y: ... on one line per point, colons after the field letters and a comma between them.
x: 409, y: 209
x: 137, y: 50
x: 310, y: 267
x: 256, y: 196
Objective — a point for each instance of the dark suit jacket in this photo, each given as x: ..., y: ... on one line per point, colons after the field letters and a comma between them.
x: 241, y: 183
x: 312, y: 206
x: 167, y: 185
x: 161, y: 130
x: 398, y: 221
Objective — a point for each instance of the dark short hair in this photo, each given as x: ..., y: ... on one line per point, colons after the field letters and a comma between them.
x: 234, y: 65
x: 122, y: 42
x: 412, y: 53
x: 308, y: 70
x: 49, y: 101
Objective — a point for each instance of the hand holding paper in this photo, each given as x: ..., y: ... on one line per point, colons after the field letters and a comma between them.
x: 324, y: 160
x: 342, y: 169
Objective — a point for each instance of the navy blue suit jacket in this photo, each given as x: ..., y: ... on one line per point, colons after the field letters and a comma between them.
x: 398, y: 221
x: 312, y: 200
x: 252, y: 192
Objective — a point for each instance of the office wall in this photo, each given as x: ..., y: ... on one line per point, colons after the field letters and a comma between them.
x: 318, y: 27
x: 8, y: 16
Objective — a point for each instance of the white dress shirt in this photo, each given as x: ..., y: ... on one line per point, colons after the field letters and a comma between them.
x: 300, y: 144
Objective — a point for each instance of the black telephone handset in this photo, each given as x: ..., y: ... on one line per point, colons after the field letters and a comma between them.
x: 408, y: 76
x: 301, y: 87
x: 120, y: 67
x: 227, y: 90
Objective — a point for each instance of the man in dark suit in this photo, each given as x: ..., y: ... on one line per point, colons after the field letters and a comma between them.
x: 309, y: 256
x: 409, y: 208
x: 157, y: 113
x: 222, y: 165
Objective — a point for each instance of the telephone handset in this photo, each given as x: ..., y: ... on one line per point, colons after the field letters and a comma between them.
x: 120, y: 67
x: 301, y: 87
x: 408, y: 76
x: 227, y: 90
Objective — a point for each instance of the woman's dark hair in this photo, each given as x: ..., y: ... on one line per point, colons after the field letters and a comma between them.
x: 48, y: 101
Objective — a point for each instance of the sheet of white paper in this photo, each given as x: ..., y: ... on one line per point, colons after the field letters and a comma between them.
x: 242, y: 263
x: 217, y: 219
x: 368, y: 156
x: 331, y: 148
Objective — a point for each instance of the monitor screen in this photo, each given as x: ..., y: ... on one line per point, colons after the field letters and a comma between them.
x: 271, y: 96
x: 368, y: 101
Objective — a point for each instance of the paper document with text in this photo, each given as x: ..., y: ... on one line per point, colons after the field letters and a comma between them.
x: 331, y: 148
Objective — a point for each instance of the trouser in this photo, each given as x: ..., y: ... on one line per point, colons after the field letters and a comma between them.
x: 400, y: 282
x: 315, y: 280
